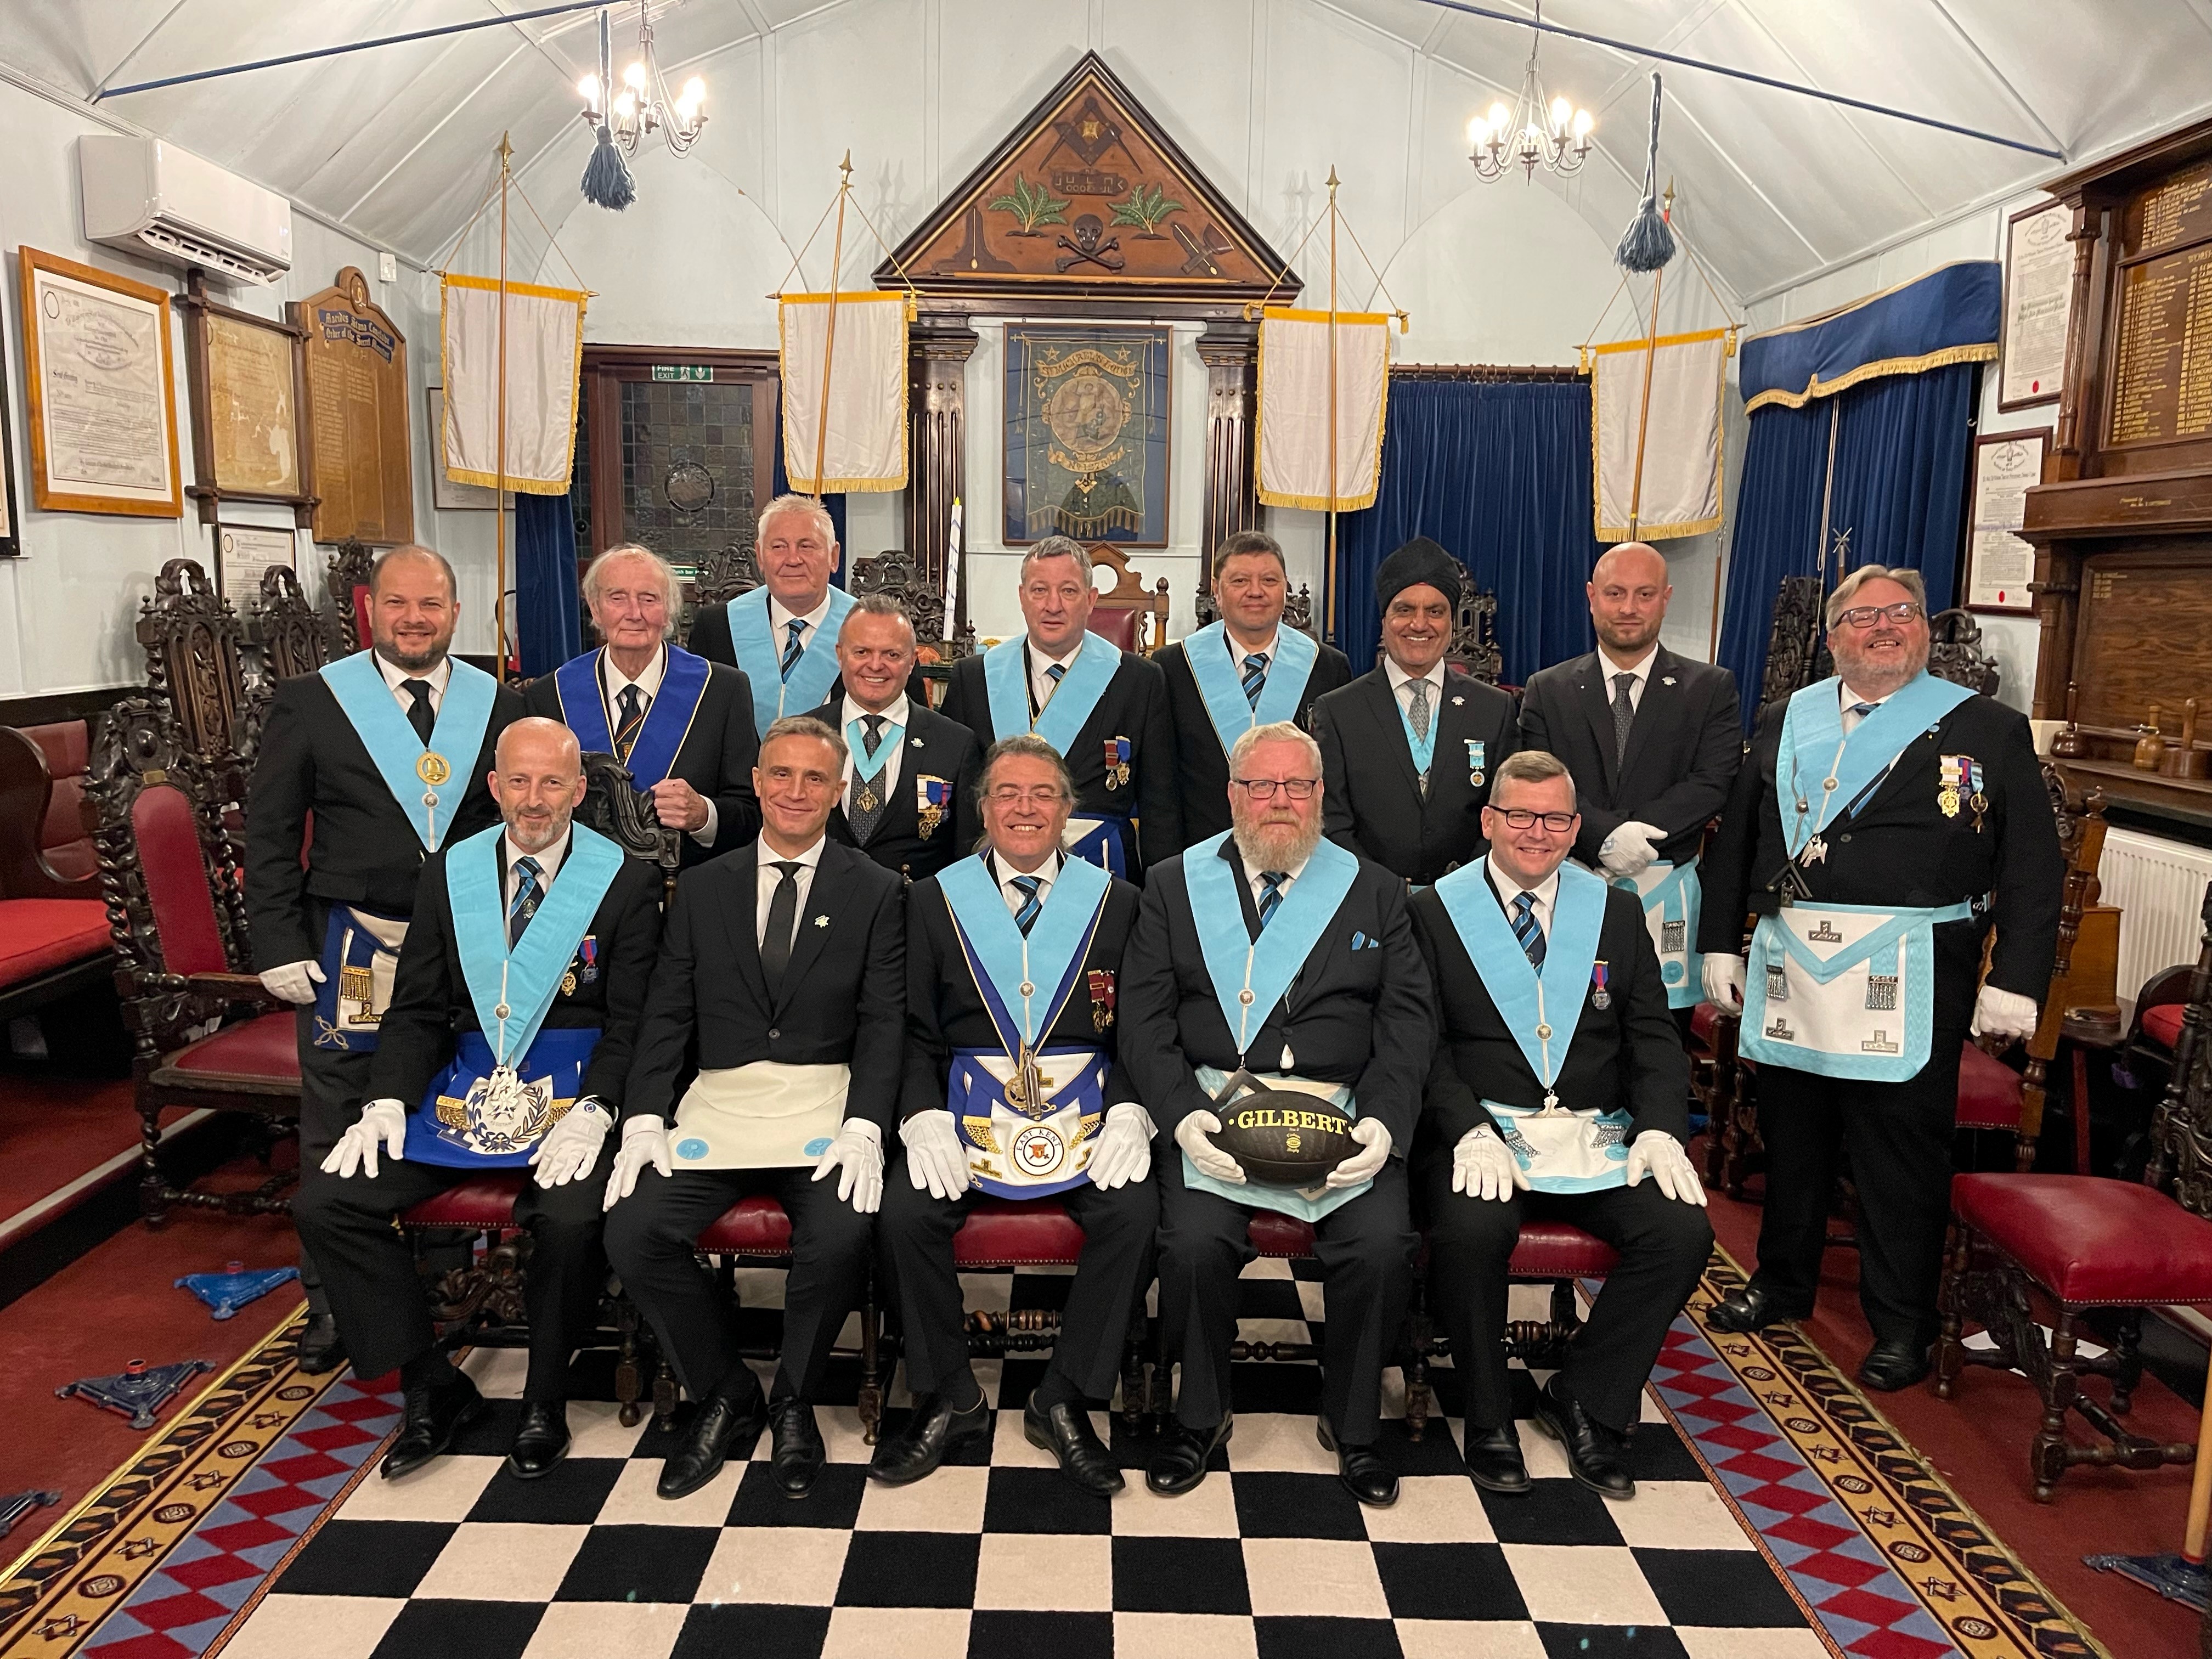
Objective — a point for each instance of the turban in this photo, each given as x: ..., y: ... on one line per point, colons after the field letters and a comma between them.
x: 1419, y: 560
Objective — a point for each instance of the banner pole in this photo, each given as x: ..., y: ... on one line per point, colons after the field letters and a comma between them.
x: 1331, y: 578
x: 499, y: 499
x: 1651, y: 360
x: 829, y: 344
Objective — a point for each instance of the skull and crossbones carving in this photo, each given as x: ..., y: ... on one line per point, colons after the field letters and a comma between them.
x: 1086, y: 248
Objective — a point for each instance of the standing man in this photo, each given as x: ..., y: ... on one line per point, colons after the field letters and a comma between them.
x: 1883, y: 821
x: 1243, y: 670
x: 506, y: 1045
x: 683, y: 726
x: 909, y: 790
x: 782, y: 977
x: 1269, y: 949
x: 1409, y: 748
x: 1652, y: 741
x: 1013, y: 1091
x: 1104, y: 710
x: 385, y: 753
x: 1559, y: 1086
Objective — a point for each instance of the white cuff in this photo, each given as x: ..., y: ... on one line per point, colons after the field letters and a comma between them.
x: 639, y: 1125
x: 1143, y: 1117
x: 863, y: 1126
x: 704, y: 835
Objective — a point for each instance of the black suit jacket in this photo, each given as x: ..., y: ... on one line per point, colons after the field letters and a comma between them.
x: 1361, y: 1017
x: 942, y: 749
x: 945, y: 1011
x: 1683, y: 747
x: 710, y: 638
x: 1628, y: 1056
x: 1201, y: 763
x: 431, y: 1006
x: 715, y: 757
x: 1900, y: 849
x: 1374, y: 804
x: 364, y: 849
x: 843, y: 1001
x: 1134, y: 705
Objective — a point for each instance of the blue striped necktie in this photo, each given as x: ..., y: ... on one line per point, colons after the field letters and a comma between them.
x: 528, y: 890
x: 1525, y: 930
x: 1256, y: 678
x: 792, y: 649
x: 1025, y: 918
x: 1055, y: 673
x: 1271, y: 900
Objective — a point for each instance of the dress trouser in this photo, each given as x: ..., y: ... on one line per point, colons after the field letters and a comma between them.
x: 649, y: 1239
x: 915, y: 1234
x: 332, y: 1084
x: 1366, y: 1252
x: 1663, y: 1245
x: 377, y: 1294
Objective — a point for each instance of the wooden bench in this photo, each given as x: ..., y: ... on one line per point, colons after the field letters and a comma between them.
x: 53, y: 928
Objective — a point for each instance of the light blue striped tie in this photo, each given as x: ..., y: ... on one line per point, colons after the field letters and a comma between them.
x: 1255, y: 677
x: 1271, y: 900
x: 527, y: 892
x: 791, y: 651
x: 1525, y: 930
x: 1032, y: 906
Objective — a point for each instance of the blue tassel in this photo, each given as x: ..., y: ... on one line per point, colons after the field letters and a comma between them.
x: 1648, y: 243
x: 606, y: 175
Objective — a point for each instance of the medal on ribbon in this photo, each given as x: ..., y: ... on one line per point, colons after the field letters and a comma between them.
x: 432, y: 768
x: 1951, y: 784
x: 932, y: 796
x: 1117, y: 763
x: 1601, y: 997
x: 1977, y: 798
x: 1476, y: 769
x: 1102, y: 997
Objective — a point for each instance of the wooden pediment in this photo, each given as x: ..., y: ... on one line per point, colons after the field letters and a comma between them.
x: 1088, y: 197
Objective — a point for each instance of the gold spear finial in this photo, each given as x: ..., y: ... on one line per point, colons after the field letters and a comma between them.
x: 844, y: 166
x: 1332, y: 181
x: 506, y: 148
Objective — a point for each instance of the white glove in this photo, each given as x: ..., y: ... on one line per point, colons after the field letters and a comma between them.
x: 934, y: 1157
x: 645, y: 1140
x: 381, y: 1123
x: 1483, y: 1166
x: 2004, y: 1014
x: 1723, y: 977
x: 1629, y: 850
x: 1659, y: 1155
x: 1208, y: 1159
x: 1124, y: 1151
x: 295, y: 982
x: 1371, y: 1133
x: 857, y: 1155
x: 572, y: 1146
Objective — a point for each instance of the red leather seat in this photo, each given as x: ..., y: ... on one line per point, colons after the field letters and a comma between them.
x: 1701, y: 1022
x: 262, y: 1054
x: 1004, y: 1233
x: 2162, y: 1024
x: 483, y: 1201
x: 64, y: 842
x: 1989, y: 1092
x: 37, y: 935
x: 1547, y: 1249
x: 1117, y: 626
x: 751, y: 1226
x: 2087, y: 1240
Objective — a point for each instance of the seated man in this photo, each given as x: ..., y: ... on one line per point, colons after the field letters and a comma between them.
x: 1559, y: 1086
x: 506, y: 1042
x: 1269, y: 949
x: 783, y: 972
x: 1012, y: 1089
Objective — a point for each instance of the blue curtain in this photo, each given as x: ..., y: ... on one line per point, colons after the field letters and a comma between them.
x: 547, y: 613
x: 1498, y: 473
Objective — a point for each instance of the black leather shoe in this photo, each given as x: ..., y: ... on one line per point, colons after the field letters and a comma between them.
x: 1596, y: 1455
x: 541, y: 1442
x: 1494, y: 1461
x: 1751, y: 1308
x: 1365, y: 1475
x: 1065, y: 1431
x: 1180, y: 1464
x: 796, y: 1448
x: 434, y: 1416
x: 931, y: 1434
x: 1893, y: 1366
x: 721, y: 1427
x: 320, y: 1348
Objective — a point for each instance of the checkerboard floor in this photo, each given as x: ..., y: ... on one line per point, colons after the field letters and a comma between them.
x: 1000, y: 1556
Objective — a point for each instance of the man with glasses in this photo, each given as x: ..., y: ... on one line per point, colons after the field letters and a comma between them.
x: 1012, y: 1090
x: 1270, y: 950
x: 1883, y: 821
x: 1559, y: 1086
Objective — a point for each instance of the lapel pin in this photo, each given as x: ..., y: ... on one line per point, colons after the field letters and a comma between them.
x: 1459, y: 702
x: 1666, y: 679
x: 915, y: 742
x: 821, y: 921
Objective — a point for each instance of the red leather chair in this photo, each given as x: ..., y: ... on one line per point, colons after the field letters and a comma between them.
x: 1133, y: 616
x: 53, y: 928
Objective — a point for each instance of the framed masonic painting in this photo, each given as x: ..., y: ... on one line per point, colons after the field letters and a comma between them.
x: 1086, y: 434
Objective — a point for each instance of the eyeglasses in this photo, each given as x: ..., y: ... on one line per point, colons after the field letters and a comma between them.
x: 1264, y: 789
x: 1520, y: 818
x: 1866, y: 616
x: 1007, y: 795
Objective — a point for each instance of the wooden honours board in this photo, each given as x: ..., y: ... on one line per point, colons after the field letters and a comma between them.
x: 357, y: 415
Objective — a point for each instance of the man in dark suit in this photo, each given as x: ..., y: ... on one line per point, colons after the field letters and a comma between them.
x: 385, y: 753
x: 683, y: 726
x: 1105, y: 711
x: 1885, y: 804
x: 1239, y: 672
x: 1521, y: 1123
x: 441, y: 1112
x: 909, y: 790
x: 1334, y: 1000
x: 1409, y: 748
x: 782, y: 977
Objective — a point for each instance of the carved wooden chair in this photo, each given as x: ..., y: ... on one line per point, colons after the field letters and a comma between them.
x: 1132, y: 616
x: 290, y: 636
x: 1297, y: 609
x: 1474, y: 632
x: 894, y: 572
x: 1954, y: 652
x: 1797, y: 652
x: 346, y: 601
x: 193, y: 642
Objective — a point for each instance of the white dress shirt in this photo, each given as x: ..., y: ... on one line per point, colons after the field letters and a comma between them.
x: 857, y: 765
x: 1400, y: 679
x: 1252, y: 880
x: 548, y: 862
x: 1850, y: 699
x: 770, y: 878
x: 1546, y: 891
x: 397, y: 678
x: 612, y: 680
x: 1004, y: 874
x: 1238, y: 653
x: 1041, y: 684
x: 1641, y: 669
x: 780, y: 620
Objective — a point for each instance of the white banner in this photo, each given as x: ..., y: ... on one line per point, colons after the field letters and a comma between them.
x: 545, y: 355
x: 1681, y: 493
x: 863, y: 443
x: 1294, y: 414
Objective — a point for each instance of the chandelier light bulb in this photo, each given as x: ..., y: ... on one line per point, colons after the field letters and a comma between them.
x: 1500, y: 120
x: 588, y: 90
x: 1563, y: 113
x: 626, y: 105
x: 1583, y: 122
x: 633, y: 76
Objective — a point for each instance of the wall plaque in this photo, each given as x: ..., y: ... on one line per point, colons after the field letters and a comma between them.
x: 2162, y: 356
x: 243, y: 377
x: 101, y: 386
x: 356, y: 406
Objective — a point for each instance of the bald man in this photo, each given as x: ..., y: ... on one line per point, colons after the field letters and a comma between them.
x: 506, y: 1045
x: 1653, y: 741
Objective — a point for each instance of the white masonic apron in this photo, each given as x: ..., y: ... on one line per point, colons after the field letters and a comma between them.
x: 1097, y: 838
x: 763, y: 1115
x: 1672, y: 900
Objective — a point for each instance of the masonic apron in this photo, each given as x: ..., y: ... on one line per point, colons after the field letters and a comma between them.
x: 1672, y: 899
x: 760, y: 653
x: 1099, y: 838
x: 667, y: 720
x: 1211, y: 655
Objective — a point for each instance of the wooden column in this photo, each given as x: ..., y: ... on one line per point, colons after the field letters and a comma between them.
x: 937, y: 442
x: 1231, y: 351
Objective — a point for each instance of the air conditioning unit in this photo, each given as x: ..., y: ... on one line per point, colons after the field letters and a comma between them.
x: 152, y: 199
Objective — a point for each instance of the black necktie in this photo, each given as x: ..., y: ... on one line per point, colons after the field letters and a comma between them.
x: 629, y: 722
x: 1624, y: 715
x: 422, y: 716
x: 1528, y: 930
x: 529, y: 892
x: 783, y: 918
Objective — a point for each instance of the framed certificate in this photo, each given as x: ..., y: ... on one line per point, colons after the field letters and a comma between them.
x: 101, y: 384
x: 242, y: 552
x: 2038, y: 291
x: 1999, y: 565
x: 243, y: 377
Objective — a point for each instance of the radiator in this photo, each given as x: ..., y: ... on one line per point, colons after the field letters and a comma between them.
x: 2159, y: 885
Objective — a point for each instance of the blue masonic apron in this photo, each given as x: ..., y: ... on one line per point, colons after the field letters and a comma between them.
x: 1095, y: 838
x: 1673, y: 900
x: 1215, y: 667
x: 1561, y: 1147
x: 1027, y: 1115
x: 1845, y: 990
x: 1250, y: 978
x: 667, y: 720
x: 511, y: 1082
x: 760, y: 653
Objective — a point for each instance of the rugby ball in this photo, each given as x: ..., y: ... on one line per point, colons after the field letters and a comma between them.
x: 1282, y: 1137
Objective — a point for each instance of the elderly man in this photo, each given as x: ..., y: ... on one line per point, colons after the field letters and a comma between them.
x: 683, y: 726
x: 1104, y: 710
x: 507, y: 1043
x: 1268, y: 950
x: 1558, y: 1087
x: 1013, y: 1091
x: 1243, y: 670
x: 781, y: 978
x: 1652, y: 741
x: 1883, y: 821
x: 1409, y: 748
x: 385, y: 753
x: 909, y: 795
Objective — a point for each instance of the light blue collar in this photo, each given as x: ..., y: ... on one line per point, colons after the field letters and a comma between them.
x: 1217, y: 666
x: 1006, y: 678
x: 761, y: 655
x: 1542, y: 1028
x: 1018, y: 977
x: 1250, y: 975
x: 428, y: 781
x: 524, y: 980
x: 1821, y: 773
